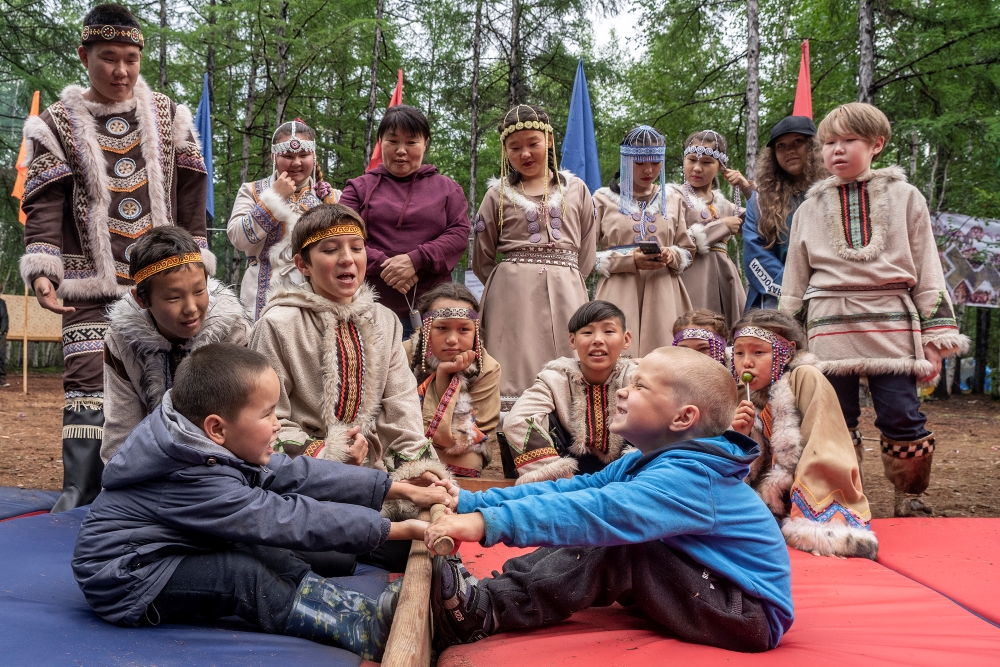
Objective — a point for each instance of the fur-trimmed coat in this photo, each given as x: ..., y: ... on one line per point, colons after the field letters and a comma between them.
x: 585, y: 410
x: 651, y: 300
x: 864, y: 275
x: 526, y: 306
x: 139, y: 362
x: 101, y: 175
x: 321, y: 351
x: 473, y: 410
x: 807, y: 472
x: 712, y: 280
x: 261, y: 225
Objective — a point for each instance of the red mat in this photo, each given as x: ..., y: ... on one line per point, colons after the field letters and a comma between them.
x: 959, y: 558
x: 848, y: 612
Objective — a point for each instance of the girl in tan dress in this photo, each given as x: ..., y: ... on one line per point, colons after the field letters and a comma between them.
x: 712, y: 280
x: 647, y: 287
x: 542, y: 222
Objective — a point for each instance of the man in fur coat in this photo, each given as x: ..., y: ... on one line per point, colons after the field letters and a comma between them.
x: 105, y: 165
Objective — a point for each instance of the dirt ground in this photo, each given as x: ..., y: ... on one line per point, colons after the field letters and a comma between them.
x: 965, y: 480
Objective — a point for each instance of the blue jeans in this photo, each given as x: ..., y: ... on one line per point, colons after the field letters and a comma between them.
x: 897, y: 406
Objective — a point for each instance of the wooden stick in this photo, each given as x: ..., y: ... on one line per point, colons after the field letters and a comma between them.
x: 24, y: 369
x: 409, y: 643
x: 443, y: 545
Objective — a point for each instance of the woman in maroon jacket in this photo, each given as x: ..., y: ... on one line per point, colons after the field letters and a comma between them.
x: 418, y: 219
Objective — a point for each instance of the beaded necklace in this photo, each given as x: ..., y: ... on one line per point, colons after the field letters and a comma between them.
x: 689, y: 193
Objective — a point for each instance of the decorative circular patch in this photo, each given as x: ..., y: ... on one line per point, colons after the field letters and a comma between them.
x: 295, y: 144
x: 124, y: 167
x: 556, y: 223
x: 531, y: 215
x: 129, y: 209
x: 556, y: 234
x: 535, y: 238
x: 637, y: 216
x: 108, y: 32
x: 117, y: 126
x: 637, y: 228
x: 135, y: 35
x: 480, y: 225
x: 533, y: 228
x: 555, y: 212
x: 128, y: 252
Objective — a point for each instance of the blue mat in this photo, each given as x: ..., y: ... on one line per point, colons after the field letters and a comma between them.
x: 15, y: 502
x: 45, y: 620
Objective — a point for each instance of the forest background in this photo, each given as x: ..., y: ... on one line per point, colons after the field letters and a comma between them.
x: 678, y: 65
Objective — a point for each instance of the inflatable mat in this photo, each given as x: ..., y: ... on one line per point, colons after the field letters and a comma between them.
x: 959, y: 558
x: 848, y: 612
x: 45, y: 621
x: 16, y: 502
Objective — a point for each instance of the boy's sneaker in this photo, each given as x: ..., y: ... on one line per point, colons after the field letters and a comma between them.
x: 463, y: 610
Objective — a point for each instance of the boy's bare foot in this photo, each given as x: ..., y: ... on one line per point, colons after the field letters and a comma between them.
x: 463, y: 611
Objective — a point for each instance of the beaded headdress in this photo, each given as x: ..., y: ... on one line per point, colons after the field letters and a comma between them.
x: 510, y: 125
x: 716, y: 343
x: 166, y: 263
x: 782, y: 349
x: 92, y: 34
x: 340, y: 229
x: 705, y: 151
x: 446, y: 314
x: 292, y: 144
x: 643, y: 144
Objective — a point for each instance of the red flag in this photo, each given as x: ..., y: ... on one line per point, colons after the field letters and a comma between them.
x: 397, y: 99
x: 803, y: 92
x: 22, y: 169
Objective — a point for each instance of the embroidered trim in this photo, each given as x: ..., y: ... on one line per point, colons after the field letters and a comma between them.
x: 449, y: 393
x: 42, y: 249
x: 193, y: 162
x: 859, y: 288
x: 351, y: 365
x: 118, y: 145
x: 550, y: 256
x: 129, y: 184
x: 314, y: 448
x: 862, y: 317
x: 598, y: 435
x: 83, y: 338
x: 130, y: 228
x: 908, y: 450
x: 167, y: 263
x: 336, y: 230
x: 534, y: 455
x: 855, y: 214
x: 459, y: 471
x: 82, y: 432
x: 767, y: 422
x: 44, y: 170
x: 833, y: 508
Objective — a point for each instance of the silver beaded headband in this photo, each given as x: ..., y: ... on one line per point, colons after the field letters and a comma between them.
x: 446, y: 314
x: 716, y: 343
x: 451, y: 314
x: 642, y: 144
x: 293, y: 145
x: 705, y: 151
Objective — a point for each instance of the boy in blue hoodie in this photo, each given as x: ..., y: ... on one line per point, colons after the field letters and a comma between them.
x: 671, y: 529
x: 197, y: 517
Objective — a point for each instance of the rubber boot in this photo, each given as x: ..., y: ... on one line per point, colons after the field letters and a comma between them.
x: 328, y: 613
x: 83, y: 428
x: 859, y: 451
x: 908, y: 466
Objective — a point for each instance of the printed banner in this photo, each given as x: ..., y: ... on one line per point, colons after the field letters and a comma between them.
x: 970, y: 256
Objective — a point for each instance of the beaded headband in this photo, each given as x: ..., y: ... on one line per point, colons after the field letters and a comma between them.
x: 716, y: 343
x: 446, y: 314
x: 111, y: 33
x: 293, y: 144
x: 705, y: 151
x: 167, y: 263
x: 336, y: 230
x: 524, y: 125
x: 451, y: 314
x: 782, y: 349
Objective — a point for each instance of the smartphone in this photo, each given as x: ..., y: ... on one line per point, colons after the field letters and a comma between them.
x: 648, y: 248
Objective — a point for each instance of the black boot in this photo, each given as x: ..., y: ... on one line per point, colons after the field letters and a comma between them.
x: 328, y: 613
x: 908, y: 467
x: 83, y: 428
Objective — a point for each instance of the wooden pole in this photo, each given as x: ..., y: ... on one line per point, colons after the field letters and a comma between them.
x: 443, y: 545
x: 24, y: 365
x: 982, y: 350
x: 409, y: 643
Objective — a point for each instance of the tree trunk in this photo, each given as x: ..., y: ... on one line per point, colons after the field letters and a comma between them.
x: 248, y: 121
x: 515, y: 80
x: 866, y: 48
x: 982, y: 350
x: 210, y: 56
x: 373, y: 89
x: 163, y: 46
x: 477, y: 45
x: 282, y: 89
x: 753, y: 86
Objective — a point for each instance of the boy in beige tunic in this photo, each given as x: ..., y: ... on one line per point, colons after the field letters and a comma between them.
x: 863, y: 273
x: 646, y: 286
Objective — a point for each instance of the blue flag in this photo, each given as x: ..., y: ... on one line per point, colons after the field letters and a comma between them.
x: 579, y: 149
x: 203, y: 123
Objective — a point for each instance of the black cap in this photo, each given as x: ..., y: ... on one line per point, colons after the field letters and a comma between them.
x: 796, y: 124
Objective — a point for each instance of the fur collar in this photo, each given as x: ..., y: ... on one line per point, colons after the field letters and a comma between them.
x: 527, y: 203
x: 718, y: 199
x: 303, y: 296
x: 144, y: 341
x: 653, y: 205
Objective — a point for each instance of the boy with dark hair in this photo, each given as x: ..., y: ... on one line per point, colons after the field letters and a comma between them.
x: 671, y: 529
x: 559, y: 426
x: 105, y: 165
x: 197, y: 516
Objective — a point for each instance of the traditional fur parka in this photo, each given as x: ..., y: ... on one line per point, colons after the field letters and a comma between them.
x: 139, y: 362
x: 807, y: 472
x: 341, y: 366
x: 583, y: 409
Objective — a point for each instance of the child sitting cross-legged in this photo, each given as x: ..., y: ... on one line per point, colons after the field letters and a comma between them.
x: 459, y: 382
x: 671, y: 529
x: 197, y: 516
x: 703, y: 331
x: 559, y: 425
x: 174, y: 308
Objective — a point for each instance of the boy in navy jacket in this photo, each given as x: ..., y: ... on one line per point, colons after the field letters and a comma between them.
x: 197, y: 517
x: 671, y: 528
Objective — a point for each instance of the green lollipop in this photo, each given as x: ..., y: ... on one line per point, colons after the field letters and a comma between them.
x: 747, y: 379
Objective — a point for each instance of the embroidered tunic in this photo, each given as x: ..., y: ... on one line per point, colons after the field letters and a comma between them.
x: 864, y: 274
x: 583, y: 409
x: 261, y: 226
x: 651, y: 300
x: 712, y: 280
x: 531, y: 294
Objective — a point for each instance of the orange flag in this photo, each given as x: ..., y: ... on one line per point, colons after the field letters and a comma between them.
x: 803, y: 92
x: 22, y: 169
x: 397, y: 99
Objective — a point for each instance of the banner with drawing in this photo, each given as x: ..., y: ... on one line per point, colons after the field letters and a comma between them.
x: 970, y: 255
